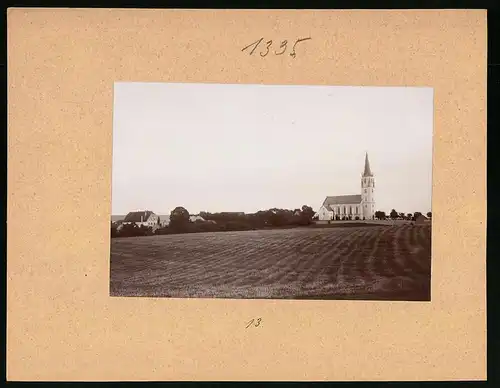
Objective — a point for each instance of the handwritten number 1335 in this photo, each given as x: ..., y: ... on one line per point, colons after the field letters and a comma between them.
x: 280, y: 51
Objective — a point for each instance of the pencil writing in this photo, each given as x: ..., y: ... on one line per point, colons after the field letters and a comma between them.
x: 268, y: 47
x: 254, y: 323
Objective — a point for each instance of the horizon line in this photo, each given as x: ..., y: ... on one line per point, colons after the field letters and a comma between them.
x: 239, y: 211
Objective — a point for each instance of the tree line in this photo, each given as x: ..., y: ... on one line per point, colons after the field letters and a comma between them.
x: 221, y: 222
x: 226, y: 221
x: 393, y: 215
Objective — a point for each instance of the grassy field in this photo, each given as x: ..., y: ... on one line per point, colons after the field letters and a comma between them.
x: 372, y: 263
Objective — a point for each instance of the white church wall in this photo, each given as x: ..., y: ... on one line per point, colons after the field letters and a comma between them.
x: 324, y: 214
x: 347, y: 210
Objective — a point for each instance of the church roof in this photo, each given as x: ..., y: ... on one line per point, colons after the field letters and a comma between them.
x: 367, y: 171
x: 342, y: 200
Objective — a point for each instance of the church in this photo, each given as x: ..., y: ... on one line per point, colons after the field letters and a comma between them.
x: 352, y: 207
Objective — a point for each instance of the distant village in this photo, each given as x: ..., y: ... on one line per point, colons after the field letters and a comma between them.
x: 148, y: 218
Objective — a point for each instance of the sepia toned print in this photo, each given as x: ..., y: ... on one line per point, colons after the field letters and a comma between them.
x: 261, y: 191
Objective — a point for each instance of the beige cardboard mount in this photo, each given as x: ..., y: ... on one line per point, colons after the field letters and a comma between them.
x: 62, y: 324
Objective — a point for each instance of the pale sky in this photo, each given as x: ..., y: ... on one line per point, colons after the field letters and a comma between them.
x: 219, y: 147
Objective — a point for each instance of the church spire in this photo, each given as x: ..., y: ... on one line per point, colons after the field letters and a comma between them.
x: 367, y: 171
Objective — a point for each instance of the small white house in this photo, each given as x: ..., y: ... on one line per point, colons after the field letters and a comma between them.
x: 195, y: 217
x: 142, y: 218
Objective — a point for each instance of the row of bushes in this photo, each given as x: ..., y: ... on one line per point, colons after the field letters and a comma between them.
x: 132, y: 230
x: 394, y: 215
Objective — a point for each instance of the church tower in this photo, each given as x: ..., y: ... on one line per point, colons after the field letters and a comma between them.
x: 367, y: 191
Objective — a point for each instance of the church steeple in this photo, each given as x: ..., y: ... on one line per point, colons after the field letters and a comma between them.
x: 367, y: 191
x: 367, y: 171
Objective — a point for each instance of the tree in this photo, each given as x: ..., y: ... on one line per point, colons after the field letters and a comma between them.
x: 380, y: 215
x: 416, y: 215
x: 429, y: 214
x: 393, y: 214
x: 409, y: 216
x: 402, y: 216
x: 279, y: 217
x: 306, y: 215
x: 179, y: 218
x: 307, y: 211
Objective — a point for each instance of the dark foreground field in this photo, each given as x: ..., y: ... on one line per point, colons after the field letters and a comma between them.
x: 383, y: 262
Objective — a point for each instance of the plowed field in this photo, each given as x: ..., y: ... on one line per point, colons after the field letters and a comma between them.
x: 376, y: 262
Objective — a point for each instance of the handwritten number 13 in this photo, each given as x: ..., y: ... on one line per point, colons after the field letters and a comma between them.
x: 254, y: 322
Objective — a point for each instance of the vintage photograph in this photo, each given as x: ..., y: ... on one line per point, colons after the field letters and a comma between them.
x: 271, y: 191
